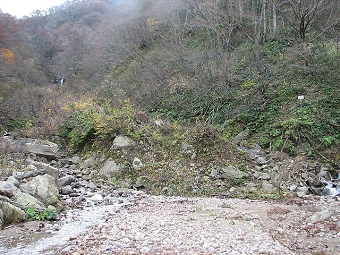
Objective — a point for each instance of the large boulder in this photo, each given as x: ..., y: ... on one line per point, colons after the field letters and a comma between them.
x: 43, y: 187
x: 10, y: 213
x: 121, y: 142
x: 42, y: 148
x: 48, y: 168
x: 66, y: 180
x: 24, y: 200
x: 27, y: 201
x: 9, y: 145
x: 110, y: 169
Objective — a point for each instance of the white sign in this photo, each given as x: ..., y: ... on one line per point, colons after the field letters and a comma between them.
x: 301, y: 97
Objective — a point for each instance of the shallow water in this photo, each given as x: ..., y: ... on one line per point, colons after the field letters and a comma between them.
x: 75, y: 223
x: 331, y: 189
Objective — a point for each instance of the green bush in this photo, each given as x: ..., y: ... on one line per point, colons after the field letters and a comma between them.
x: 47, y: 214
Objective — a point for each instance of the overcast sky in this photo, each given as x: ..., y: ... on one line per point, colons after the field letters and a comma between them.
x: 20, y: 8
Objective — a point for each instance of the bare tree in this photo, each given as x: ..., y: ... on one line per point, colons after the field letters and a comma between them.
x: 301, y: 14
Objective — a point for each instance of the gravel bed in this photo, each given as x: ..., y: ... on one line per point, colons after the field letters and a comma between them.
x: 175, y: 225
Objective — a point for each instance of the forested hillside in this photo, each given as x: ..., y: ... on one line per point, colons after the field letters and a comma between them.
x: 222, y: 66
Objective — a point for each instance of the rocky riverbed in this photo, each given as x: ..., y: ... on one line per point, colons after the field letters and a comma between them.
x: 142, y: 224
x: 97, y: 217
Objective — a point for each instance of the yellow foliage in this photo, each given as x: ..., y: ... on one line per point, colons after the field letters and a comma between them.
x: 82, y: 105
x: 249, y: 84
x: 8, y: 56
x: 151, y: 23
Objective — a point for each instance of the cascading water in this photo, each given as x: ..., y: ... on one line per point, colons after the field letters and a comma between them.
x: 332, y: 187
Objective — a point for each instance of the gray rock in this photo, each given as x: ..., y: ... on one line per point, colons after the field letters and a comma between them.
x: 121, y: 142
x: 323, y: 215
x: 42, y: 187
x: 187, y: 148
x: 264, y: 176
x: 6, y: 189
x: 324, y: 174
x: 302, y: 191
x: 261, y: 160
x: 83, y: 183
x: 51, y: 170
x: 137, y: 164
x: 231, y: 172
x: 41, y: 147
x: 86, y: 177
x: 66, y: 190
x: 276, y: 168
x: 75, y: 160
x: 96, y: 198
x: 110, y: 169
x: 293, y: 187
x: 11, y: 213
x: 88, y: 163
x: 241, y: 136
x: 26, y: 200
x: 213, y: 173
x: 9, y: 145
x: 92, y: 186
x: 268, y: 186
x: 304, y: 175
x: 13, y: 180
x: 66, y: 180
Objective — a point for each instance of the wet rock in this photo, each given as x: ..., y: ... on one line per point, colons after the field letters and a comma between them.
x: 42, y: 187
x: 6, y: 189
x: 74, y: 194
x: 121, y: 142
x: 74, y: 237
x: 110, y: 169
x: 66, y: 180
x: 317, y: 191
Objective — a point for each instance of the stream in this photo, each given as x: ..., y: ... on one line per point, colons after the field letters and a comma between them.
x: 75, y: 222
